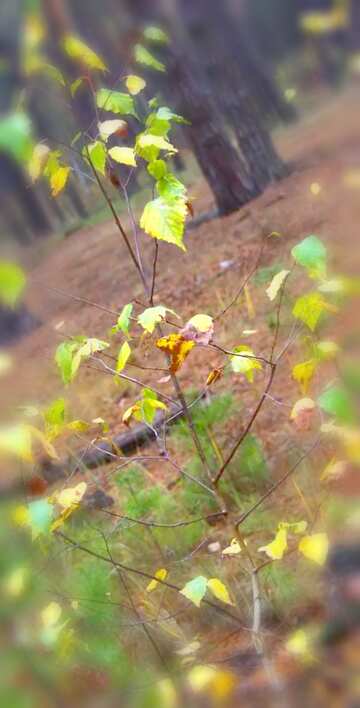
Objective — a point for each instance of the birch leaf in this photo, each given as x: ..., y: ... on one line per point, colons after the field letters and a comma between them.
x: 123, y: 155
x: 195, y: 590
x: 134, y: 84
x: 77, y: 49
x: 144, y: 57
x: 303, y: 373
x: 58, y: 180
x: 309, y: 309
x: 245, y: 365
x: 276, y: 284
x: 311, y: 254
x: 165, y: 220
x: 315, y: 547
x: 109, y: 127
x: 177, y: 349
x: 161, y: 574
x: 278, y: 546
x: 123, y: 357
x: 219, y: 591
x: 233, y: 549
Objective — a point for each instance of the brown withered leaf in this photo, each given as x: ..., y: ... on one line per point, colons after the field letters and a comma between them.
x: 177, y: 348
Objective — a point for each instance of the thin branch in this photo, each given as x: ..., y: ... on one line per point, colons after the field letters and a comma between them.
x: 277, y: 484
x: 248, y: 427
x: 153, y: 281
x: 117, y: 220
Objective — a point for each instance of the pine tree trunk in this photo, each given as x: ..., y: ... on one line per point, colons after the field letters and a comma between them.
x: 234, y: 86
x: 221, y: 165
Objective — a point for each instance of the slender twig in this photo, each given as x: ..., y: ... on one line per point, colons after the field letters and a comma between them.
x: 248, y: 427
x: 243, y: 284
x: 142, y: 574
x: 117, y: 220
x: 277, y: 484
x: 153, y: 281
x: 157, y: 525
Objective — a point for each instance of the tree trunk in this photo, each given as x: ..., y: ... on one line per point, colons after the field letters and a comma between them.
x: 222, y: 166
x: 235, y: 87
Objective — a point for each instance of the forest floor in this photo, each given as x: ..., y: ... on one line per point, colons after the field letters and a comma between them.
x: 323, y: 149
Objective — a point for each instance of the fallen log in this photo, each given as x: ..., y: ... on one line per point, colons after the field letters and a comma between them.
x: 108, y: 451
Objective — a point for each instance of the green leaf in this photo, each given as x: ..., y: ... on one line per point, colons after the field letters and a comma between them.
x: 169, y: 187
x: 309, y: 309
x: 195, y: 589
x: 123, y: 155
x: 153, y: 316
x: 78, y: 50
x: 123, y: 321
x: 157, y: 169
x: 40, y: 514
x: 116, y: 102
x: 12, y: 283
x: 123, y: 356
x: 336, y: 401
x: 90, y: 346
x: 63, y: 357
x: 16, y: 136
x: 156, y: 34
x: 311, y: 253
x: 245, y: 365
x: 165, y: 220
x: 165, y: 113
x: 97, y: 153
x: 146, y: 140
x: 144, y: 57
x: 54, y: 415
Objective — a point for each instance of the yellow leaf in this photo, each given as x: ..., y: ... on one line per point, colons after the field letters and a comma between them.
x: 177, y: 348
x: 214, y: 376
x: 302, y: 413
x: 309, y: 308
x: 51, y: 614
x: 277, y: 547
x: 219, y: 590
x: 77, y: 49
x: 58, y: 180
x: 129, y: 413
x: 276, y: 284
x: 299, y: 644
x: 165, y: 219
x: 160, y: 574
x: 233, y: 549
x: 303, y: 373
x: 38, y: 161
x: 333, y: 470
x: 123, y: 155
x: 15, y: 440
x: 20, y: 515
x: 134, y: 84
x: 315, y: 547
x: 71, y: 495
x: 201, y: 322
x: 246, y: 364
x: 14, y: 584
x: 123, y: 357
x: 146, y: 140
x: 109, y: 127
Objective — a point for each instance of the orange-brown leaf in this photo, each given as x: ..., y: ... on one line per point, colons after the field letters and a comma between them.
x: 177, y: 348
